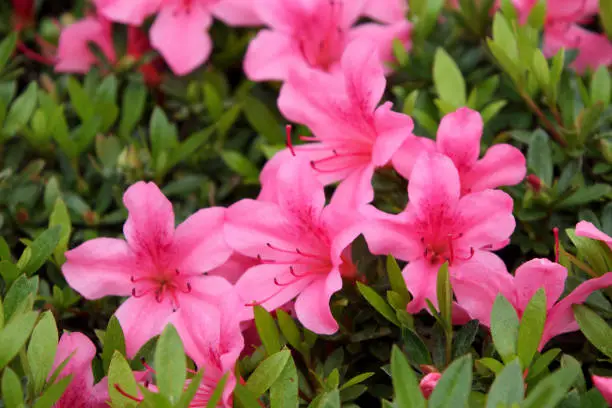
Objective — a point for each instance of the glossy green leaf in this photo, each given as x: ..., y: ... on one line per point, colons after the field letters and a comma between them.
x: 170, y: 364
x: 405, y: 384
x: 120, y: 375
x: 41, y: 350
x: 596, y: 330
x: 454, y: 387
x: 531, y: 328
x: 268, y: 332
x: 508, y: 387
x: 378, y: 303
x: 504, y: 328
x: 448, y: 80
x: 14, y: 336
x: 12, y: 393
x: 114, y: 340
x: 284, y: 391
x: 268, y: 372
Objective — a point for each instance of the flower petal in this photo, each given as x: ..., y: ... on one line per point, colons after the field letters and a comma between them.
x: 199, y: 242
x: 356, y: 189
x: 190, y: 27
x: 393, y: 129
x: 587, y: 229
x: 100, y: 267
x: 604, y: 385
x: 364, y: 76
x: 132, y: 12
x: 434, y: 184
x: 270, y: 56
x: 237, y: 12
x: 502, y: 165
x: 459, y: 137
x: 383, y: 35
x: 150, y: 225
x: 235, y: 266
x: 312, y: 305
x: 389, y: 234
x: 404, y: 159
x: 386, y: 11
x: 421, y: 277
x: 536, y: 274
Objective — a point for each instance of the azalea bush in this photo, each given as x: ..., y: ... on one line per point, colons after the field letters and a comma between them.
x: 306, y: 203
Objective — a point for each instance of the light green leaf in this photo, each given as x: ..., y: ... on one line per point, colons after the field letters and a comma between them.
x: 445, y: 295
x: 12, y: 394
x: 60, y: 216
x: 508, y: 387
x: 42, y: 348
x: 53, y: 393
x: 284, y: 391
x: 217, y: 394
x: 454, y: 387
x: 120, y: 374
x: 42, y: 248
x: 601, y: 86
x: 405, y: 384
x: 267, y: 330
x: 19, y: 292
x: 504, y: 328
x: 240, y: 164
x: 596, y: 330
x: 448, y: 80
x: 114, y: 340
x: 531, y: 328
x: 191, y: 390
x: 267, y: 372
x: 14, y: 336
x: 398, y: 284
x: 21, y: 110
x: 170, y: 364
x: 378, y: 303
x: 539, y: 156
x: 132, y: 107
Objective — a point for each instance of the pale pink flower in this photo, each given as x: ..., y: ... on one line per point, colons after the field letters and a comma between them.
x: 428, y: 383
x: 439, y: 225
x: 458, y: 137
x: 73, y: 53
x: 586, y: 229
x: 180, y: 29
x: 352, y: 135
x: 303, y: 247
x: 214, y: 341
x: 604, y: 385
x: 476, y: 294
x: 81, y: 391
x: 313, y: 34
x: 161, y: 268
x: 386, y: 11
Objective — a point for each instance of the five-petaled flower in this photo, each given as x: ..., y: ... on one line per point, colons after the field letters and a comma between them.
x: 161, y: 268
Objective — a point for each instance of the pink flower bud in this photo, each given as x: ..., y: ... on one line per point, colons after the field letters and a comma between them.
x: 535, y: 182
x: 428, y: 383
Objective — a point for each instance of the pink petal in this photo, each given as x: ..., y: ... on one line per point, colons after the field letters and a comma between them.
x: 199, y: 242
x: 393, y: 129
x: 351, y: 10
x: 312, y: 305
x: 389, y: 234
x: 486, y: 219
x: 421, y: 277
x: 356, y: 189
x: 132, y: 12
x: 502, y: 165
x: 459, y: 137
x: 150, y: 225
x: 191, y: 27
x: 386, y: 11
x: 405, y: 158
x: 383, y: 36
x: 587, y: 229
x: 565, y: 10
x: 284, y: 15
x: 604, y: 385
x: 142, y: 319
x: 100, y: 267
x: 561, y: 317
x: 267, y: 176
x: 236, y: 265
x: 270, y: 285
x: 476, y: 283
x: 73, y: 54
x: 536, y: 274
x: 434, y: 183
x: 237, y: 12
x: 270, y: 56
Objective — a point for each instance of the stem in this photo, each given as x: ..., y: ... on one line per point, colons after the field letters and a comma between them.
x: 547, y: 123
x: 449, y: 345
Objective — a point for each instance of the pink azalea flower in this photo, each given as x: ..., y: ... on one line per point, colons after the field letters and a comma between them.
x: 476, y: 294
x: 161, y: 268
x: 428, y: 383
x: 386, y: 11
x: 303, y: 247
x: 458, y: 137
x: 81, y: 391
x: 186, y: 21
x: 313, y: 34
x: 214, y: 342
x: 439, y: 225
x: 586, y: 229
x: 352, y: 135
x: 604, y: 385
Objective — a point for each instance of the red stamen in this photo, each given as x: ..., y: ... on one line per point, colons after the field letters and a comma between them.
x: 147, y: 366
x: 126, y: 395
x: 33, y: 55
x: 557, y: 244
x: 289, y: 143
x: 309, y: 139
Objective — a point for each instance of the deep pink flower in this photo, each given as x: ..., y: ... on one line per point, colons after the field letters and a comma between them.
x: 81, y: 391
x: 313, y: 34
x: 477, y: 294
x: 604, y: 385
x: 214, y: 341
x: 161, y: 268
x: 180, y: 30
x: 386, y: 11
x: 428, y: 383
x: 458, y: 137
x: 586, y: 229
x: 303, y: 247
x: 440, y: 225
x: 352, y: 135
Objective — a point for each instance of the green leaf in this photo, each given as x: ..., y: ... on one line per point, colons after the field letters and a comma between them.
x: 405, y: 384
x: 60, y: 216
x: 551, y: 390
x: 415, y: 347
x: 191, y: 390
x: 20, y: 290
x: 464, y: 338
x: 213, y: 101
x: 267, y: 372
x: 378, y: 303
x: 263, y: 120
x: 542, y: 362
x: 267, y: 330
x: 132, y: 107
x: 586, y: 195
x: 398, y: 284
x: 508, y: 387
x: 7, y: 47
x: 53, y: 393
x: 289, y: 329
x: 595, y: 253
x: 454, y: 387
x: 504, y: 328
x: 42, y: 248
x: 490, y: 364
x: 170, y: 364
x: 329, y: 400
x: 217, y: 394
x: 21, y: 110
x: 114, y: 340
x: 284, y: 391
x: 12, y: 394
x: 240, y: 164
x: 14, y: 336
x: 448, y: 80
x: 5, y: 251
x: 81, y: 102
x: 245, y: 398
x: 41, y: 350
x: 189, y: 146
x: 596, y: 330
x: 605, y: 16
x: 445, y: 295
x: 539, y: 156
x: 120, y: 374
x: 492, y: 109
x: 356, y: 380
x: 531, y: 328
x: 601, y: 86
x: 504, y: 38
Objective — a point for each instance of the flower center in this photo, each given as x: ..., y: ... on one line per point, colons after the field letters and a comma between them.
x: 438, y: 251
x: 169, y: 285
